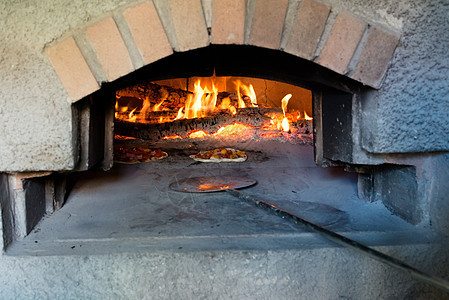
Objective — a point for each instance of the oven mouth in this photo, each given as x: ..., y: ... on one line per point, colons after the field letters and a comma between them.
x: 214, y: 108
x: 130, y: 206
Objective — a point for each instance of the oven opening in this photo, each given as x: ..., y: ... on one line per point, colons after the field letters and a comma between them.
x: 217, y: 112
x: 210, y: 110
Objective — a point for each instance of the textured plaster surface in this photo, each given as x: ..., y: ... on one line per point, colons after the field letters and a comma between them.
x: 306, y: 274
x: 35, y: 110
x: 410, y: 113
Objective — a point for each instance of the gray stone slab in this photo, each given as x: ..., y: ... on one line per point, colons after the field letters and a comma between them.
x: 131, y: 207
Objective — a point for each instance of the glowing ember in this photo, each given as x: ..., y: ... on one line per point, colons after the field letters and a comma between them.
x: 172, y: 137
x: 233, y: 130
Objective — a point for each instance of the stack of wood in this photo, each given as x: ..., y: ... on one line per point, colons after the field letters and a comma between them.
x: 168, y: 99
x: 154, y: 132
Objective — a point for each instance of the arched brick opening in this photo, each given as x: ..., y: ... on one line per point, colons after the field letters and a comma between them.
x: 136, y: 36
x: 132, y: 38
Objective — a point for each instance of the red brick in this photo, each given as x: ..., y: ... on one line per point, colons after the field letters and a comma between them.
x: 72, y: 69
x: 268, y: 22
x: 148, y: 32
x: 189, y: 24
x: 375, y: 57
x: 228, y: 22
x: 110, y: 48
x: 342, y: 42
x: 307, y: 29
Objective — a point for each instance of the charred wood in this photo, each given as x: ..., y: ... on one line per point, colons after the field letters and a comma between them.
x: 182, y: 127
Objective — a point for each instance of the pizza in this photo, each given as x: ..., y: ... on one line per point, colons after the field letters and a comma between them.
x: 220, y: 155
x: 137, y: 155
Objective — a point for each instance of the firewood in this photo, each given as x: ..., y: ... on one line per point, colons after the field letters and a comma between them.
x: 155, y: 132
x: 168, y: 98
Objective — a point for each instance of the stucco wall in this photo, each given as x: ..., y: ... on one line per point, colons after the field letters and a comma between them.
x: 35, y: 110
x: 411, y: 111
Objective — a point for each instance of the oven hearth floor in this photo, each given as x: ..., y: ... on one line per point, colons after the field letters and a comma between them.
x: 131, y: 208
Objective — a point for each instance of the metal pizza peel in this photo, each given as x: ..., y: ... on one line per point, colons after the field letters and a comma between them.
x: 231, y: 186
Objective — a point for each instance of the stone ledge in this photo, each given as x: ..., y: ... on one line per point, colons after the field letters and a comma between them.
x: 307, y: 274
x: 33, y: 245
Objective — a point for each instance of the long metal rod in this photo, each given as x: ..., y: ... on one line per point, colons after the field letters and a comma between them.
x: 344, y: 241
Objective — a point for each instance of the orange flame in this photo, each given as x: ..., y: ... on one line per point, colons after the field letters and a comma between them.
x: 284, y: 101
x: 240, y: 100
x: 132, y: 117
x: 201, y: 102
x: 180, y: 114
x: 307, y: 117
x: 249, y: 91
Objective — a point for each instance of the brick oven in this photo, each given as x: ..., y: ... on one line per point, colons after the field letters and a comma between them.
x: 371, y: 75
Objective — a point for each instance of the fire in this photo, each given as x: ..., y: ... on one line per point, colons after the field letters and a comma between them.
x: 248, y: 91
x: 284, y: 101
x: 156, y: 107
x: 306, y: 117
x: 203, y: 101
x: 132, y: 117
x: 199, y: 104
x: 208, y: 97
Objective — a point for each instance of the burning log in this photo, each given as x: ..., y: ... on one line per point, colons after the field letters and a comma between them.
x: 154, y: 132
x: 164, y: 98
x: 165, y: 113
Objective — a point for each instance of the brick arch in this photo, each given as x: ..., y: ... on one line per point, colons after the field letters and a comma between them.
x: 138, y: 35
